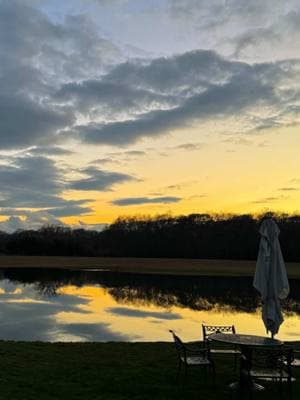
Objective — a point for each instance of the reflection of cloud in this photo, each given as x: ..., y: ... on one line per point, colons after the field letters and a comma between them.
x: 30, y: 320
x: 26, y: 316
x: 129, y: 312
x: 99, y: 332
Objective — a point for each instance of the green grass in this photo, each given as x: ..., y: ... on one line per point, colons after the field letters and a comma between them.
x: 93, y: 371
x: 169, y: 266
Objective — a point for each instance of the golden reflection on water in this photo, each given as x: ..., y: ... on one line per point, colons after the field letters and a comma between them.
x: 142, y: 321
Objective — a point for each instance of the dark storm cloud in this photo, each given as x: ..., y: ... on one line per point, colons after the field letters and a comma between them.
x: 202, y: 86
x: 36, y: 174
x: 24, y: 122
x: 38, y: 182
x: 213, y: 102
x: 37, y: 56
x: 129, y: 201
x: 50, y: 85
x: 64, y: 50
x: 99, y: 180
x: 69, y: 210
x: 181, y: 74
x: 111, y: 97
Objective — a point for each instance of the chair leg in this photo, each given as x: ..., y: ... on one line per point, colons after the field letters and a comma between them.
x: 290, y: 387
x: 213, y: 371
x: 185, y: 371
x: 178, y: 372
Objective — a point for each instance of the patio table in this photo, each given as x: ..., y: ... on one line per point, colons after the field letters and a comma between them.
x: 244, y: 342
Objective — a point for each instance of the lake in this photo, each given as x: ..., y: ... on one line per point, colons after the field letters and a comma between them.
x: 96, y: 305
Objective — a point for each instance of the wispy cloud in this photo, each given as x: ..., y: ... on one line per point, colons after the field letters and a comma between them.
x: 99, y: 179
x: 128, y: 201
x: 270, y: 199
x: 288, y: 189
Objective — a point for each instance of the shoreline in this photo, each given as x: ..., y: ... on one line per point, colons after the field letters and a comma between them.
x: 165, y: 266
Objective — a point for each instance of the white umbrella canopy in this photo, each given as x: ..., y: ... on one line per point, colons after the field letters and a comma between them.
x: 270, y: 277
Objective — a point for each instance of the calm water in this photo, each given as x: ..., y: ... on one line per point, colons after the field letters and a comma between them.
x: 52, y: 305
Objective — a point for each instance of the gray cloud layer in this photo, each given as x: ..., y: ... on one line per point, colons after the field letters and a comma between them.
x: 37, y: 182
x: 196, y: 86
x: 37, y: 55
x: 99, y: 180
x: 68, y: 73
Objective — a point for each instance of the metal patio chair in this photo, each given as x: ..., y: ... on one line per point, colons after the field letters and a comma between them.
x: 207, y: 330
x: 268, y: 364
x: 191, y: 356
x: 296, y: 351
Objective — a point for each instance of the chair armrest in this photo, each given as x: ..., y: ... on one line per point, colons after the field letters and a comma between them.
x: 191, y: 349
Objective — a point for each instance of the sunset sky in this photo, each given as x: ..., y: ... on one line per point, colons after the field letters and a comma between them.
x: 143, y: 107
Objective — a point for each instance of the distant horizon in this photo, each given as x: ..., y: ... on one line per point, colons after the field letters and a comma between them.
x: 141, y: 217
x: 126, y: 107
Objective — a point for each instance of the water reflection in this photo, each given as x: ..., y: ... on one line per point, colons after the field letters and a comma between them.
x: 60, y: 305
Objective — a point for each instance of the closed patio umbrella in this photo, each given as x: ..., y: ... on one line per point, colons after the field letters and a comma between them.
x: 270, y: 277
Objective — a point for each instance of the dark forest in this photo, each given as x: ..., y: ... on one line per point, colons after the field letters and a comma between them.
x: 200, y: 236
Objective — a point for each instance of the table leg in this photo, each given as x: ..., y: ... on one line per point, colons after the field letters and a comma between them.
x: 245, y: 380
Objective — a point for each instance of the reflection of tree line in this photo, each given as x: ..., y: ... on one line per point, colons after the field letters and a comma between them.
x: 190, y: 236
x: 197, y: 293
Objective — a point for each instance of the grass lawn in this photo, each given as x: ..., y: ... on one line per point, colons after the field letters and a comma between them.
x: 91, y: 371
x: 173, y: 266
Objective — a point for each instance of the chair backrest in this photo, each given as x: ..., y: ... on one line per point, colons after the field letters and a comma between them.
x: 181, y: 352
x: 210, y: 329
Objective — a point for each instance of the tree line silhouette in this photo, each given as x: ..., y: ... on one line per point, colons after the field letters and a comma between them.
x: 191, y: 236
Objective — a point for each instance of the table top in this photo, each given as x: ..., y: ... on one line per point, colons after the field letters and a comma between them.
x: 245, y: 340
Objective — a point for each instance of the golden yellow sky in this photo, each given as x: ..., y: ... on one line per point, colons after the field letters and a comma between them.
x: 249, y: 174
